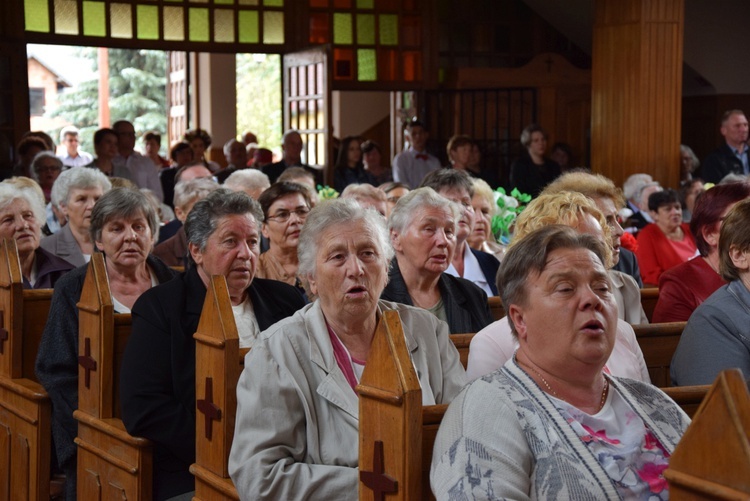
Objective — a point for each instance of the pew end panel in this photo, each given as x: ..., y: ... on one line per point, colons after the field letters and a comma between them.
x: 658, y: 343
x: 217, y: 371
x: 712, y: 459
x: 496, y: 307
x: 649, y: 298
x: 390, y: 417
x: 11, y: 304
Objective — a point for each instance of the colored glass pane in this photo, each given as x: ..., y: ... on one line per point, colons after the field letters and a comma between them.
x: 311, y: 90
x: 342, y: 4
x: 319, y: 28
x: 411, y: 29
x: 388, y: 62
x: 343, y: 62
x: 319, y: 3
x: 66, y: 17
x: 389, y: 29
x: 93, y: 19
x: 302, y: 78
x: 303, y: 114
x: 147, y: 22
x: 365, y: 29
x: 224, y: 2
x: 293, y: 123
x: 321, y: 150
x: 366, y: 65
x: 36, y: 15
x: 293, y: 88
x: 223, y: 25
x: 198, y: 25
x: 273, y: 3
x: 412, y: 65
x: 365, y: 4
x: 342, y: 29
x: 121, y: 21
x: 248, y: 26
x: 273, y: 27
x: 388, y: 5
x: 174, y: 23
x: 248, y: 2
x: 312, y: 118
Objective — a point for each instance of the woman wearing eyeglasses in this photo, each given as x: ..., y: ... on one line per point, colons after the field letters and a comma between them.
x: 285, y: 207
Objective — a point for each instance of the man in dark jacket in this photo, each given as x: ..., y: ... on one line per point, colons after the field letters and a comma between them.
x: 732, y: 156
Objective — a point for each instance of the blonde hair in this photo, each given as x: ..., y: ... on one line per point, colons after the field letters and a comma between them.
x: 591, y: 185
x: 482, y: 189
x: 566, y: 208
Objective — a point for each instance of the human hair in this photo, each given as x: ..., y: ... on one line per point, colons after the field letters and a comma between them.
x: 289, y: 133
x: 121, y: 182
x: 101, y: 133
x: 189, y: 191
x: 68, y: 130
x: 334, y: 214
x: 528, y: 131
x: 735, y: 233
x: 177, y: 148
x: 342, y: 162
x: 632, y: 186
x: 125, y: 203
x: 456, y: 142
x: 728, y: 114
x: 79, y: 178
x: 206, y: 214
x: 709, y: 206
x: 643, y: 187
x: 45, y: 155
x: 25, y: 144
x: 389, y: 186
x: 529, y: 256
x: 565, y: 148
x: 588, y: 184
x: 228, y: 146
x: 694, y: 162
x: 189, y: 165
x: 152, y: 135
x: 370, y: 145
x: 484, y: 190
x: 448, y: 178
x: 662, y: 198
x: 292, y: 173
x: 421, y: 198
x: 198, y: 134
x: 364, y: 192
x: 281, y: 189
x: 247, y: 179
x: 49, y: 143
x: 415, y: 123
x: 566, y: 208
x: 733, y: 178
x: 11, y: 190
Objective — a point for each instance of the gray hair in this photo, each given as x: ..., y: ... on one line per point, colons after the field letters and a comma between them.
x: 448, y: 178
x: 44, y: 155
x: 529, y: 255
x: 364, y: 191
x: 421, y: 198
x: 642, y: 188
x: 632, y: 185
x: 77, y: 178
x: 694, y: 162
x: 332, y: 214
x: 10, y: 192
x: 205, y: 216
x: 248, y: 179
x: 122, y: 202
x: 192, y: 190
x: 228, y: 146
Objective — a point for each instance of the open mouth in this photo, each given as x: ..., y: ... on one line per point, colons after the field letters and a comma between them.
x: 593, y: 326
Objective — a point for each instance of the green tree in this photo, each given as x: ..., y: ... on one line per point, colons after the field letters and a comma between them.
x: 259, y: 98
x: 137, y: 93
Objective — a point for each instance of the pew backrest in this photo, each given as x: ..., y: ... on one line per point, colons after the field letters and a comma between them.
x: 649, y: 298
x: 496, y: 307
x: 658, y: 343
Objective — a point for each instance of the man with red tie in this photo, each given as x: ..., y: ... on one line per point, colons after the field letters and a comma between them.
x: 412, y: 165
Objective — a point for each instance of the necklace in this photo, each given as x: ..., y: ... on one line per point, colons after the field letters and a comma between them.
x: 554, y: 393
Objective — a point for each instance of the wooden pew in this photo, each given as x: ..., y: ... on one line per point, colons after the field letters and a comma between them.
x: 25, y: 409
x: 658, y: 343
x: 218, y: 359
x: 462, y: 342
x: 687, y: 397
x: 496, y: 307
x: 649, y: 297
x: 111, y: 463
x: 712, y: 460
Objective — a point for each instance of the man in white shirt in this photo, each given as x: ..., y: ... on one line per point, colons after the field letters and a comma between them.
x: 412, y: 165
x: 142, y: 170
x: 73, y: 157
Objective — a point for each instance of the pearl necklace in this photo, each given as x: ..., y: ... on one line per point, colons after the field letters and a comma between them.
x: 554, y: 393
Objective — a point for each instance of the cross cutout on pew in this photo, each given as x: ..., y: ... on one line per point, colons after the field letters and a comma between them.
x: 87, y: 362
x: 380, y: 483
x: 208, y: 408
x: 3, y: 333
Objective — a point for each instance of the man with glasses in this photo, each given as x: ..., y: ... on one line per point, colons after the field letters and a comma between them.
x: 73, y: 157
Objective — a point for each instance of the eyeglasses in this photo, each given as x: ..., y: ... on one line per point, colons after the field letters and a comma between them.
x: 283, y: 215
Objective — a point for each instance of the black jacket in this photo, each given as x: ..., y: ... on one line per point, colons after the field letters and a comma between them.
x: 719, y: 163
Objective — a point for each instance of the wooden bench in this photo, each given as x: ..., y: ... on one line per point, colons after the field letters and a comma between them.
x: 111, y: 463
x: 712, y: 460
x: 25, y: 409
x: 649, y: 298
x: 496, y: 307
x: 689, y: 398
x: 658, y: 343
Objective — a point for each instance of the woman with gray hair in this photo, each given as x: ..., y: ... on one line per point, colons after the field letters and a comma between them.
x: 296, y: 433
x: 46, y: 166
x: 423, y: 228
x: 21, y: 219
x: 75, y: 192
x: 122, y: 226
x: 157, y: 380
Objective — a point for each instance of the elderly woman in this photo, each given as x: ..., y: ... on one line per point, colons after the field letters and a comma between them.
x: 689, y: 163
x: 297, y: 422
x: 683, y: 288
x: 552, y: 423
x: 423, y: 234
x: 251, y: 181
x: 483, y: 203
x: 46, y: 167
x: 367, y: 196
x: 349, y: 168
x: 495, y: 344
x: 474, y: 265
x: 667, y: 241
x: 717, y: 336
x: 123, y: 224
x: 157, y: 383
x: 285, y: 209
x: 21, y: 218
x: 75, y: 192
x: 533, y: 171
